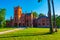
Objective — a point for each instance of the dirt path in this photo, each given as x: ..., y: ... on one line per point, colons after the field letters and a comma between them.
x: 11, y: 30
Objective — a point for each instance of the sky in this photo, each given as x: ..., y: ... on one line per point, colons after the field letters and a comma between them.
x: 28, y: 6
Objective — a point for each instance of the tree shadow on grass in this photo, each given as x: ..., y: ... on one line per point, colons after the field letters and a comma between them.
x: 48, y: 33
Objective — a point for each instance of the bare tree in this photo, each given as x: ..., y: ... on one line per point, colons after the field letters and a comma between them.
x: 54, y: 19
x: 49, y: 15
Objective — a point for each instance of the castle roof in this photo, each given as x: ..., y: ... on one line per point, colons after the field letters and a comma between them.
x: 18, y: 7
x: 42, y: 17
x: 28, y: 14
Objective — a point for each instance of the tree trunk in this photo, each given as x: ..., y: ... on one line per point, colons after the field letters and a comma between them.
x: 54, y: 19
x: 49, y: 15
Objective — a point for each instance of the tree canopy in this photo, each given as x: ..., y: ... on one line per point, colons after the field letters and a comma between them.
x: 35, y: 14
x: 2, y: 16
x: 58, y: 21
x: 41, y: 14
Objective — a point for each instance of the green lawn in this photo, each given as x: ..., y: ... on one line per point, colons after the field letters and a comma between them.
x: 5, y: 29
x: 31, y: 34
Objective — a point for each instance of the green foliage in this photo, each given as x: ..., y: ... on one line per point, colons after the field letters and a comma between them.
x: 58, y: 21
x: 8, y: 20
x: 41, y: 14
x: 2, y: 16
x: 35, y: 14
x: 4, y: 24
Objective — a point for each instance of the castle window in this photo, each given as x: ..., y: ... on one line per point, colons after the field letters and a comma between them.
x: 43, y: 23
x: 43, y: 20
x: 47, y: 23
x: 19, y: 24
x: 39, y: 24
x: 15, y: 24
x: 20, y: 11
x: 23, y: 24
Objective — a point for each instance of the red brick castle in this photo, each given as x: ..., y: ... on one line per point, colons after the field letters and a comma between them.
x: 26, y: 20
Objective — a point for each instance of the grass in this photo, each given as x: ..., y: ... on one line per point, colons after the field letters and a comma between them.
x: 5, y: 29
x: 31, y: 34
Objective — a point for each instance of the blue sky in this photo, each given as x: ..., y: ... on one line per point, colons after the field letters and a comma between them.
x: 28, y: 6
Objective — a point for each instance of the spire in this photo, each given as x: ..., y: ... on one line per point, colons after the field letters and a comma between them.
x: 19, y: 7
x: 39, y: 0
x: 11, y: 18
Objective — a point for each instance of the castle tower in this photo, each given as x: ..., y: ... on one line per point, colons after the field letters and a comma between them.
x: 17, y: 15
